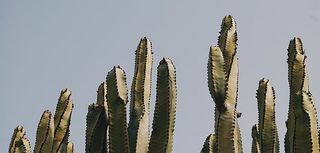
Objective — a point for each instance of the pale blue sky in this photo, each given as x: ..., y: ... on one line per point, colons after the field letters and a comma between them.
x: 46, y: 46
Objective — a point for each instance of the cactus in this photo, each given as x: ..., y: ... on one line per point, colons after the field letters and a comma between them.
x: 208, y: 146
x: 223, y: 87
x: 19, y: 142
x: 302, y: 125
x: 52, y: 133
x: 264, y: 134
x: 108, y: 116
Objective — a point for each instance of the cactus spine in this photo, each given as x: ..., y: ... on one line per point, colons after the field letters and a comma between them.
x: 264, y: 134
x: 223, y: 87
x: 302, y: 125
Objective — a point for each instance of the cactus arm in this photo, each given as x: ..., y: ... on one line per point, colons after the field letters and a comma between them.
x: 19, y: 142
x: 255, y: 147
x: 45, y: 133
x: 266, y: 109
x: 117, y: 98
x: 227, y: 40
x: 298, y: 81
x: 217, y: 76
x: 138, y: 127
x: 96, y: 130
x: 165, y: 108
x: 306, y: 128
x: 62, y: 119
x: 208, y: 146
x: 70, y: 147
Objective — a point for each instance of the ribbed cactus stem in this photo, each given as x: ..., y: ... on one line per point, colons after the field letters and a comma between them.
x: 267, y: 131
x: 298, y: 81
x: 117, y: 98
x: 208, y: 146
x: 62, y: 119
x: 306, y: 124
x: 140, y: 98
x: 165, y: 109
x: 97, y: 124
x: 19, y: 142
x: 223, y: 86
x: 45, y: 133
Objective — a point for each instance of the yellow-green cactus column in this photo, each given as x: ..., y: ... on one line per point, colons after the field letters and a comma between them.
x: 45, y: 133
x: 223, y: 86
x: 19, y: 142
x: 62, y: 118
x: 117, y: 98
x: 264, y: 134
x: 298, y: 83
x: 138, y: 128
x: 165, y: 109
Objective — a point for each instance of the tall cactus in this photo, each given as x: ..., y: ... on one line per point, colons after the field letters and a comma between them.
x: 301, y: 114
x: 264, y: 134
x: 223, y: 87
x: 121, y: 138
x: 165, y: 109
x: 140, y: 98
x: 97, y: 125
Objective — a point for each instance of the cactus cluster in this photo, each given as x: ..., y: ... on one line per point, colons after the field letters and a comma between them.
x: 107, y: 127
x: 52, y: 132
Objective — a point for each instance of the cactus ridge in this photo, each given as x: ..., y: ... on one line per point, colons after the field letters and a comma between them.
x: 45, y: 133
x: 298, y: 81
x: 117, y: 99
x: 164, y: 113
x: 62, y: 120
x: 306, y: 129
x: 267, y: 132
x: 208, y: 146
x: 227, y: 40
x: 140, y: 98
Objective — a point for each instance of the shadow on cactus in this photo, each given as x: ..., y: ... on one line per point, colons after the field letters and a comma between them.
x: 52, y: 132
x: 107, y: 127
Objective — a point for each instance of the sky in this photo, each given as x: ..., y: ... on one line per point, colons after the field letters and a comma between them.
x: 46, y: 46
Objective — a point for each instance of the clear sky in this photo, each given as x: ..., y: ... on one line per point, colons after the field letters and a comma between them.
x: 46, y: 46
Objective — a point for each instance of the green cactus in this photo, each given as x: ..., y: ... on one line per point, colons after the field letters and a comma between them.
x: 52, y: 133
x: 121, y: 138
x: 19, y: 142
x: 140, y: 98
x: 223, y: 87
x: 264, y: 134
x: 165, y: 109
x: 301, y: 106
x: 208, y: 146
x: 97, y: 124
